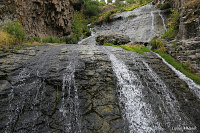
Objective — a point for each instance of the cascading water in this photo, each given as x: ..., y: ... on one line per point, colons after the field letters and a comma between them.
x: 152, y: 22
x: 70, y: 105
x: 172, y: 115
x: 141, y: 24
x: 152, y: 25
x: 43, y: 96
x: 14, y: 108
x: 136, y: 111
x: 193, y: 86
x: 90, y: 39
x: 163, y: 20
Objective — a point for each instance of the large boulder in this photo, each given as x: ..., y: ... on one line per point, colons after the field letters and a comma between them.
x: 112, y: 37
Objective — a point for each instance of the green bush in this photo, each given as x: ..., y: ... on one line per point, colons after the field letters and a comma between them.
x: 170, y: 33
x: 173, y: 26
x: 91, y: 8
x: 67, y: 40
x: 79, y: 27
x: 109, y: 1
x: 14, y: 28
x: 164, y: 6
x: 132, y: 7
x: 6, y: 40
x: 158, y: 44
x: 71, y: 40
x: 130, y: 1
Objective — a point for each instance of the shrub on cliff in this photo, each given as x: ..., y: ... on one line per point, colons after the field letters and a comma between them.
x: 14, y: 28
x: 173, y: 26
x: 157, y: 43
x: 6, y: 40
x: 164, y: 6
x: 79, y: 27
x: 91, y: 8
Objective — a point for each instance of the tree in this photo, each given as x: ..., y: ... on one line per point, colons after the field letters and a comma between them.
x: 109, y: 1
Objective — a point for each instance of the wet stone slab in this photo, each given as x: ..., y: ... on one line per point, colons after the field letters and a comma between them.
x: 59, y: 88
x: 169, y: 98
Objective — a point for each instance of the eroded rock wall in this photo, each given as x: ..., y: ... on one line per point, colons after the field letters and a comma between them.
x: 42, y: 17
x: 188, y: 34
x: 189, y: 17
x: 173, y: 3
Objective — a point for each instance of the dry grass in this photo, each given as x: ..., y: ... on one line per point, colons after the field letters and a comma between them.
x: 6, y: 40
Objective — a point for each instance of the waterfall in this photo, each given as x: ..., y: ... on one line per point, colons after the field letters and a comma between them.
x: 152, y: 22
x: 70, y: 105
x: 163, y: 20
x: 171, y: 112
x: 136, y: 111
x: 90, y: 39
x: 152, y: 25
x: 14, y: 108
x: 193, y: 86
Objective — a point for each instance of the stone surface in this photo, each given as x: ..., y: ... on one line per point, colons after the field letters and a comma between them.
x: 58, y: 88
x: 160, y: 85
x: 187, y: 53
x: 141, y: 24
x: 112, y: 38
x: 189, y: 17
x: 72, y: 88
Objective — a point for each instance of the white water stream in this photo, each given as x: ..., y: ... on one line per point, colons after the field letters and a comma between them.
x: 192, y: 85
x: 163, y: 20
x: 70, y: 105
x: 136, y: 111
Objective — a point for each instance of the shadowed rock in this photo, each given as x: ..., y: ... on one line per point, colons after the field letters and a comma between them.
x: 112, y: 38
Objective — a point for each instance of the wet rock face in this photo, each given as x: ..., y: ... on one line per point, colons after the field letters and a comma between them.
x: 112, y: 38
x: 141, y: 24
x: 189, y: 22
x: 173, y: 3
x: 64, y: 88
x: 189, y: 17
x: 74, y: 88
x: 187, y: 53
x: 98, y: 94
x: 165, y: 101
x: 43, y: 18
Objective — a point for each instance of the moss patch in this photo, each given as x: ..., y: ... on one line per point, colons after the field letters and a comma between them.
x: 179, y: 66
x: 173, y: 26
x: 134, y: 48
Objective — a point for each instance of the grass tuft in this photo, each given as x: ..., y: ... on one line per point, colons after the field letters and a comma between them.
x: 158, y: 44
x: 181, y: 67
x: 6, y: 40
x: 134, y: 48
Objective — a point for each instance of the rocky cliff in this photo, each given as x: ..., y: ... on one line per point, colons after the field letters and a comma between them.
x: 189, y: 17
x: 40, y: 17
x: 189, y: 33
